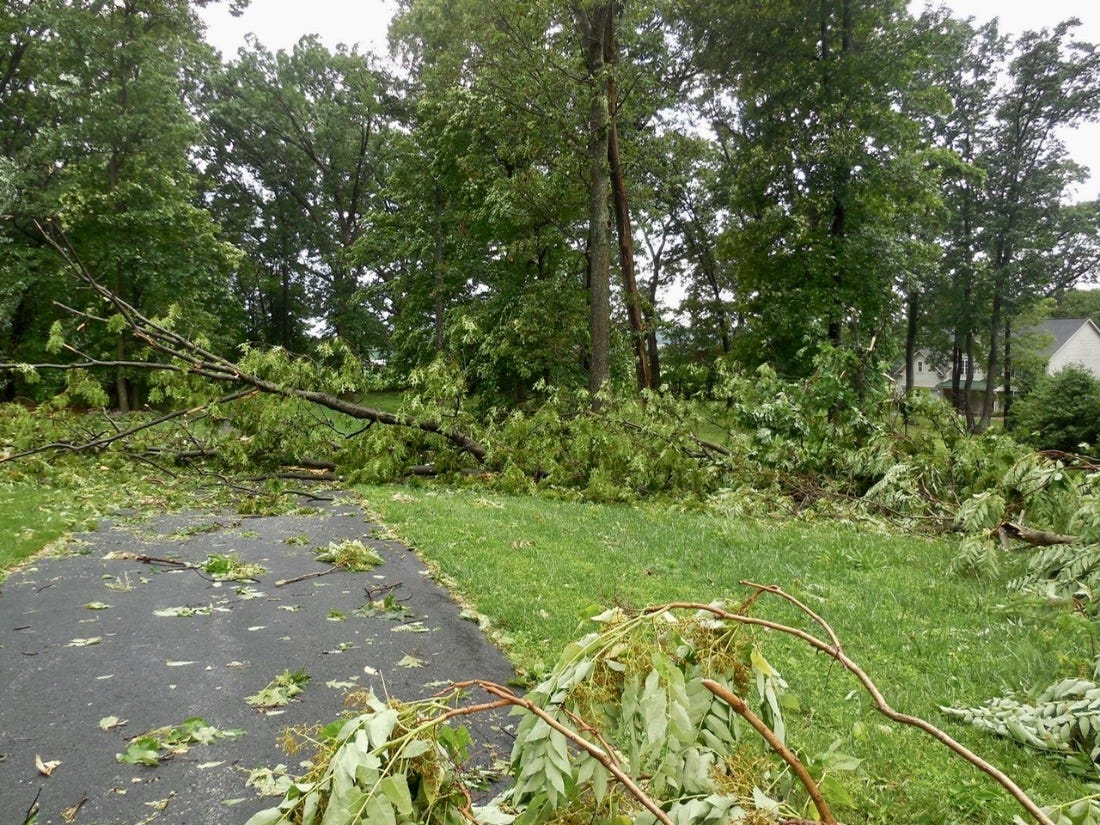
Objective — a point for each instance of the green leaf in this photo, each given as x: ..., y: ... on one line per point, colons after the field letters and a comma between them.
x: 396, y: 789
x: 380, y: 726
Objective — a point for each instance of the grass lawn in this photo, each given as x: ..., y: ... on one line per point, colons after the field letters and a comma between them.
x: 30, y: 518
x: 539, y: 568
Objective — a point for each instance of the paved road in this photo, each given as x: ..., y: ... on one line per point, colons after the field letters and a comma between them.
x: 65, y: 666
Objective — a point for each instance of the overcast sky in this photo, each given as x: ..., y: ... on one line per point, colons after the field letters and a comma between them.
x: 280, y: 23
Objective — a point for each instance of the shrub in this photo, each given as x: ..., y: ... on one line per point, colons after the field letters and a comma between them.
x: 1062, y: 412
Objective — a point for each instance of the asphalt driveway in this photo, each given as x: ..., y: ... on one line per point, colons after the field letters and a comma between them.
x: 99, y: 633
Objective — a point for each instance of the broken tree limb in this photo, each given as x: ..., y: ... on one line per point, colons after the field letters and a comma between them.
x: 833, y: 649
x: 1009, y: 531
x: 788, y: 756
x: 106, y: 441
x: 191, y: 358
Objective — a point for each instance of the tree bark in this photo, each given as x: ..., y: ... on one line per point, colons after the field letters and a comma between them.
x: 991, y: 366
x: 912, y: 317
x: 437, y: 270
x: 1036, y: 538
x: 592, y: 24
x: 622, y: 212
x: 1008, y: 367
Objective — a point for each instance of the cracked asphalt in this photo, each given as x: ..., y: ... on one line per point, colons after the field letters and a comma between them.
x: 81, y: 640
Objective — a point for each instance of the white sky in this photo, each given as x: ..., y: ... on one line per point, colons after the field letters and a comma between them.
x: 278, y: 24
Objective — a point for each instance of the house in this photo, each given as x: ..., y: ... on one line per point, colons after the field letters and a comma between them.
x: 1057, y: 343
x: 932, y: 373
x: 1072, y: 341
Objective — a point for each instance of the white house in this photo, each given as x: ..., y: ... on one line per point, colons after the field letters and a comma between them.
x: 1062, y: 341
x: 1075, y: 341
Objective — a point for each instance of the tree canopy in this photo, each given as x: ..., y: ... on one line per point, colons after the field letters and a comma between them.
x: 550, y: 194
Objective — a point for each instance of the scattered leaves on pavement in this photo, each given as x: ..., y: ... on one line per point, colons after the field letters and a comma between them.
x: 45, y: 768
x: 152, y: 746
x: 280, y: 690
x: 93, y: 640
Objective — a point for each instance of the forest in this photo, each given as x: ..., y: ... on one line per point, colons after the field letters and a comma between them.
x: 648, y: 254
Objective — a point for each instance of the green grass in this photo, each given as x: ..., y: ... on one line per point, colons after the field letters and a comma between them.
x: 385, y: 400
x: 539, y: 568
x: 30, y: 518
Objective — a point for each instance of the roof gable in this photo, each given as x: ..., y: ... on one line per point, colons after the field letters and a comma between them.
x: 1062, y: 329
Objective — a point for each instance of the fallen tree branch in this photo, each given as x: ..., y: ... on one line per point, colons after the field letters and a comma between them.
x: 102, y: 442
x: 306, y: 576
x: 175, y: 564
x: 1007, y: 531
x: 196, y: 360
x: 832, y: 648
x: 788, y: 756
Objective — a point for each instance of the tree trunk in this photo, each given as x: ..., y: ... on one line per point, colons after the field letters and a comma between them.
x: 622, y: 214
x: 991, y: 366
x: 1008, y: 367
x: 968, y: 354
x: 437, y: 269
x: 650, y: 314
x: 913, y: 308
x: 592, y: 23
x: 840, y: 171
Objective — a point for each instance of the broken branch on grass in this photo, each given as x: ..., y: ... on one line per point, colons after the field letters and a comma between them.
x: 788, y: 756
x: 1008, y: 531
x: 599, y: 754
x: 834, y: 650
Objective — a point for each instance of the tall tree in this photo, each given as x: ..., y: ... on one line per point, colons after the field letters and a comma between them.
x: 1012, y: 238
x: 102, y: 99
x: 1054, y: 83
x: 301, y: 145
x: 811, y: 101
x: 594, y: 25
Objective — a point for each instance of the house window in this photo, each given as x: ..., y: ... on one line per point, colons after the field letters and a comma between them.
x: 920, y: 366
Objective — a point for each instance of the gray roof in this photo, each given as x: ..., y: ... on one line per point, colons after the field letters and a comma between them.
x: 1062, y: 329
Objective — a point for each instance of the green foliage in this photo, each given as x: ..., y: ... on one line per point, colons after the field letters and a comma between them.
x: 628, y: 449
x: 394, y: 762
x: 632, y: 689
x: 350, y: 555
x: 1066, y: 574
x: 636, y: 684
x: 163, y: 743
x: 1060, y: 413
x: 1064, y: 719
x: 227, y: 567
x: 1042, y: 494
x: 280, y: 690
x: 299, y: 148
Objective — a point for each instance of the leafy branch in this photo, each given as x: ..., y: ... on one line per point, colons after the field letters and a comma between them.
x: 193, y: 359
x: 833, y: 648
